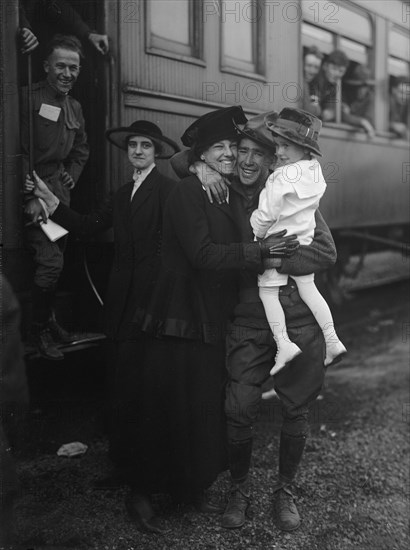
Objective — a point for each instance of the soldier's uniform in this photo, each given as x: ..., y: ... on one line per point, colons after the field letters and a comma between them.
x: 60, y: 145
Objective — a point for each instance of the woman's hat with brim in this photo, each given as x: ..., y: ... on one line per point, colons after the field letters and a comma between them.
x: 213, y: 127
x: 255, y: 129
x: 297, y: 126
x: 120, y: 136
x: 360, y: 76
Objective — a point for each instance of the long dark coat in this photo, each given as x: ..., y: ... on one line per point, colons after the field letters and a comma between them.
x: 183, y: 418
x: 137, y: 243
x: 202, y: 254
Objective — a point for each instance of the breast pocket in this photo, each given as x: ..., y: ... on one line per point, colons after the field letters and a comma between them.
x: 46, y: 133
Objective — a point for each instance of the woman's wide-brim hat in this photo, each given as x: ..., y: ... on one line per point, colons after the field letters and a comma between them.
x: 120, y: 136
x: 213, y: 127
x: 297, y: 126
x: 256, y: 130
x: 360, y: 77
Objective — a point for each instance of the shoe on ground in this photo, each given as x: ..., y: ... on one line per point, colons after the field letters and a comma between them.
x: 287, y: 352
x: 236, y: 510
x: 141, y: 513
x: 205, y: 506
x: 45, y: 344
x: 334, y: 353
x: 286, y: 514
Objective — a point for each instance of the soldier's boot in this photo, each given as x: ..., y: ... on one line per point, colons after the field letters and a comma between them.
x: 290, y: 454
x: 42, y: 300
x: 286, y: 514
x: 204, y: 505
x: 59, y: 333
x: 239, y: 494
x: 43, y: 341
x: 234, y: 516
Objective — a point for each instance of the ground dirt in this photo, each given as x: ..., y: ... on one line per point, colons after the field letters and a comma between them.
x: 353, y: 489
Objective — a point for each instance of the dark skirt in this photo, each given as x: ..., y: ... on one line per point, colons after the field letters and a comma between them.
x: 168, y: 432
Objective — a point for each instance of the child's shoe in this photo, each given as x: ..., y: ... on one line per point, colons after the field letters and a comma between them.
x: 334, y: 353
x: 287, y: 352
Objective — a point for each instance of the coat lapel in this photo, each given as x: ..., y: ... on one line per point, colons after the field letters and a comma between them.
x: 144, y: 191
x: 124, y: 199
x: 226, y: 209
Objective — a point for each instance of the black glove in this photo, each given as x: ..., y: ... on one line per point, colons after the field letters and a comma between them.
x: 279, y: 246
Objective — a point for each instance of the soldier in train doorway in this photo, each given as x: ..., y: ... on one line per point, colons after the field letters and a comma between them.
x: 60, y: 152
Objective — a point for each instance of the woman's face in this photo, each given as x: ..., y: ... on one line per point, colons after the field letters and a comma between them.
x: 221, y: 156
x: 141, y: 152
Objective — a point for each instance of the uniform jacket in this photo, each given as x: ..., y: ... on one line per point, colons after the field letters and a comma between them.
x: 137, y: 243
x: 310, y: 98
x: 201, y: 257
x: 357, y: 109
x: 58, y: 146
x: 327, y: 93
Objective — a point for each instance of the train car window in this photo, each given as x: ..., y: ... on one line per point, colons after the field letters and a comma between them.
x: 314, y: 36
x: 398, y: 68
x: 242, y: 37
x: 333, y: 25
x: 356, y: 52
x: 174, y: 28
x: 338, y: 18
x: 399, y: 52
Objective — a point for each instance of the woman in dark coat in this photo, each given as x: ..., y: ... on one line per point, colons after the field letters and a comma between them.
x: 135, y: 212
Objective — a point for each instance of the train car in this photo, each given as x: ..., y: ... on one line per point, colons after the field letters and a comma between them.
x: 171, y: 61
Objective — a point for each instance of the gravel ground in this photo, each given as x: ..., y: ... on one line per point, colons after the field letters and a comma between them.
x: 353, y: 489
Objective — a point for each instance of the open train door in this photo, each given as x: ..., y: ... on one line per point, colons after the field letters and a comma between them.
x: 92, y: 91
x: 10, y: 158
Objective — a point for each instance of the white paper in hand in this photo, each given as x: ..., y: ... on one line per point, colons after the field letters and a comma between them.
x: 53, y: 230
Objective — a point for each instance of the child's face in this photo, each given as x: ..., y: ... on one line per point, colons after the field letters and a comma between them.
x: 288, y: 152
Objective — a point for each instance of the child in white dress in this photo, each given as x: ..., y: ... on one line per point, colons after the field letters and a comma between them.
x: 289, y: 201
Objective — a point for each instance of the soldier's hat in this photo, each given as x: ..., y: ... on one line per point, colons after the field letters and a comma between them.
x: 256, y: 130
x: 164, y: 146
x: 297, y: 126
x: 360, y: 76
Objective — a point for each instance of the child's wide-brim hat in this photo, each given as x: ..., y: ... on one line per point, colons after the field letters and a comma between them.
x: 256, y: 130
x: 120, y: 136
x: 297, y: 126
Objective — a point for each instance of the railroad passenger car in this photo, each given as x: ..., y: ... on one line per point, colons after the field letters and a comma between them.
x: 171, y: 61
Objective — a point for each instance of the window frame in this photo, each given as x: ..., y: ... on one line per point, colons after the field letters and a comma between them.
x: 337, y: 37
x: 164, y: 47
x: 257, y: 69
